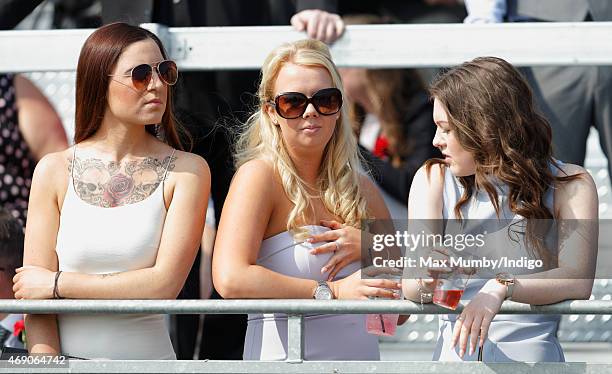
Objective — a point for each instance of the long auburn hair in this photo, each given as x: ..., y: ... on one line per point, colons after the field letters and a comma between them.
x: 490, y: 108
x: 338, y: 179
x: 97, y: 60
x: 391, y: 91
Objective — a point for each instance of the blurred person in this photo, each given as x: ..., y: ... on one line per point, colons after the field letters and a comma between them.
x: 405, y: 12
x: 11, y: 257
x: 392, y: 116
x: 120, y: 215
x: 29, y: 129
x: 498, y: 166
x: 14, y: 11
x: 573, y: 98
x: 413, y: 11
x: 50, y: 14
x: 297, y: 185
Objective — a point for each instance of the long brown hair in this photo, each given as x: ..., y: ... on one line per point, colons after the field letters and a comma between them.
x: 97, y: 60
x: 391, y: 92
x: 490, y: 108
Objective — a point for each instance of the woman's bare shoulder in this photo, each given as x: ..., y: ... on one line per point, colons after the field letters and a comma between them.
x: 425, y: 199
x: 257, y: 170
x: 583, y: 180
x: 189, y: 162
x: 576, y: 198
x: 55, y: 164
x: 377, y: 207
x: 429, y: 181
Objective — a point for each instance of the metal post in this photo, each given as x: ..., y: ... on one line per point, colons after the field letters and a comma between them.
x: 295, y: 338
x: 162, y: 33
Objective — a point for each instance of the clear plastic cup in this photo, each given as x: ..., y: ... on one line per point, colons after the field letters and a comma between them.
x: 449, y: 288
x: 383, y: 324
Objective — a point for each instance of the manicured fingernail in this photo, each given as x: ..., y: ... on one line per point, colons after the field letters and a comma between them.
x: 323, y: 270
x: 399, y: 285
x: 471, y: 351
x: 396, y: 295
x: 461, y: 352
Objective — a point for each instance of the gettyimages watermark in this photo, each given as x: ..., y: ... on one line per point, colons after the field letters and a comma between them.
x: 550, y: 249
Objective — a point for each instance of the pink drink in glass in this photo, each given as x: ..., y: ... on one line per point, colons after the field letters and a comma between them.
x: 381, y: 324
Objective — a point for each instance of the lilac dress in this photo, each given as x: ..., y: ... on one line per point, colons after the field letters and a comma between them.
x: 327, y: 336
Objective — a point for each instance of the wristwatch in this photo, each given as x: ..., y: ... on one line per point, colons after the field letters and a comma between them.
x: 507, y: 280
x: 323, y: 291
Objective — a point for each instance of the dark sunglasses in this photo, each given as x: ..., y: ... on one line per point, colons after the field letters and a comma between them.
x: 141, y: 74
x: 291, y: 105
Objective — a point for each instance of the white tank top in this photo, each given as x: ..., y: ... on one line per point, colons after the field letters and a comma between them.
x: 97, y: 240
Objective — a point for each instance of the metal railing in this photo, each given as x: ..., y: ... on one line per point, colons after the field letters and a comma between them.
x: 225, y: 48
x: 295, y: 310
x: 371, y: 46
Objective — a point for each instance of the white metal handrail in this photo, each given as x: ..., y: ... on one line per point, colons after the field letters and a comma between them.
x: 295, y: 309
x: 284, y: 306
x: 222, y: 48
x: 295, y: 340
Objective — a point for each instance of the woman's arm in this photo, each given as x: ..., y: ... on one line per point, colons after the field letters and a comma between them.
x: 576, y: 205
x: 248, y: 209
x: 40, y: 240
x: 39, y: 123
x: 208, y: 243
x: 425, y: 204
x: 179, y: 244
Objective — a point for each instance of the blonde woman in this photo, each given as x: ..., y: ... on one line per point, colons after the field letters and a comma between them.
x: 297, y: 184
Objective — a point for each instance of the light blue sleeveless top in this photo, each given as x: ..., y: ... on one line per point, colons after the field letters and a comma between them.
x: 527, y: 338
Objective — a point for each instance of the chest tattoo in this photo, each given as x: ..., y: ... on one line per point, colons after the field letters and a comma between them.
x: 110, y: 184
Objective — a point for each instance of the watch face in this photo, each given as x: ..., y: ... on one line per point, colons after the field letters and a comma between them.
x: 323, y: 294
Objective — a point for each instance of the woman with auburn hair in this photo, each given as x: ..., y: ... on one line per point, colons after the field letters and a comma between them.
x: 298, y: 184
x: 119, y: 215
x: 498, y: 166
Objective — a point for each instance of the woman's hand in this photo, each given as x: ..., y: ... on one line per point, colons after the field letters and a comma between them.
x: 442, y: 259
x: 345, y: 243
x: 353, y: 287
x: 33, y: 282
x: 476, y: 317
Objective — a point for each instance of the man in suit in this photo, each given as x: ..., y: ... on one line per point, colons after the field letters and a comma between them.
x: 573, y: 98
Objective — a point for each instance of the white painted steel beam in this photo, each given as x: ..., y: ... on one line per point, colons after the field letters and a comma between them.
x: 227, y: 48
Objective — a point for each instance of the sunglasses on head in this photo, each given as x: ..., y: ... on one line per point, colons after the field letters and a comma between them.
x: 141, y: 75
x: 291, y: 105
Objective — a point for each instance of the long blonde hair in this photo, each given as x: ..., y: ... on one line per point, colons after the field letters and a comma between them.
x: 338, y: 178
